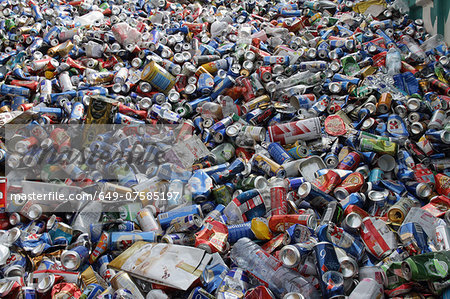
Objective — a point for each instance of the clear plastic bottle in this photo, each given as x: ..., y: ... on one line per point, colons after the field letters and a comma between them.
x: 416, y: 50
x: 211, y: 110
x: 393, y: 61
x: 432, y: 42
x: 249, y: 256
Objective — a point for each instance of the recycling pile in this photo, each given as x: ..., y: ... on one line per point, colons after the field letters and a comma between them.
x: 246, y: 149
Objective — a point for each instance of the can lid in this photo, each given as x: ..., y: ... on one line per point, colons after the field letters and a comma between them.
x: 46, y: 284
x: 70, y: 260
x: 304, y: 189
x: 289, y: 256
x: 13, y: 271
x: 340, y: 193
x: 349, y: 267
x: 293, y: 295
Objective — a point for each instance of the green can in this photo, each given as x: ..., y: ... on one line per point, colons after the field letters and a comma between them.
x: 222, y: 194
x: 394, y: 274
x: 349, y: 65
x: 430, y: 266
x: 129, y: 211
x: 252, y: 182
x: 378, y: 146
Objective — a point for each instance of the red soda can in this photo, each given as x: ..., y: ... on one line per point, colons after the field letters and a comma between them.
x: 278, y: 202
x: 28, y: 84
x: 442, y: 184
x: 353, y: 183
x: 438, y: 205
x: 357, y: 210
x: 350, y: 162
x: 265, y: 73
x: 328, y: 181
x: 213, y: 237
x: 280, y: 223
x: 379, y: 59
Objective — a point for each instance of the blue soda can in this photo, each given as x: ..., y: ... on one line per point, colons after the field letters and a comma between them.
x: 299, y: 233
x: 92, y: 291
x: 294, y: 183
x: 227, y: 82
x: 194, y: 104
x: 52, y: 34
x: 15, y: 259
x: 17, y: 101
x: 395, y: 186
x: 311, y: 192
x: 213, y: 275
x: 278, y: 153
x: 205, y: 83
x: 120, y: 118
x: 246, y: 206
x: 74, y: 258
x: 344, y: 78
x: 326, y: 261
x: 200, y: 183
x: 323, y: 49
x: 267, y: 60
x: 13, y: 90
x: 165, y: 218
x: 237, y: 231
x: 122, y: 240
x: 237, y: 166
x: 357, y: 199
x: 216, y: 168
x: 53, y: 113
x: 77, y: 113
x: 340, y: 238
x: 183, y: 29
x: 414, y: 239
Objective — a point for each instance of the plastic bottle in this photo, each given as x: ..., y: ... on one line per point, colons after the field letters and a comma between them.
x: 416, y: 50
x: 249, y: 256
x: 393, y: 62
x: 89, y: 18
x: 210, y: 110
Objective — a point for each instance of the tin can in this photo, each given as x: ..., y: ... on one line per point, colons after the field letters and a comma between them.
x: 158, y: 77
x: 237, y: 231
x: 350, y: 162
x: 398, y: 211
x: 165, y: 218
x: 123, y: 240
x: 92, y: 291
x: 147, y: 221
x: 179, y: 238
x: 379, y: 240
x: 123, y: 281
x: 290, y: 132
x: 189, y: 223
x: 268, y: 166
x: 278, y: 153
x: 74, y: 258
x: 280, y: 223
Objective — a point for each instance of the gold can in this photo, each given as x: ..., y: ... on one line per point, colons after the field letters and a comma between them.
x: 398, y: 211
x: 158, y: 77
x: 384, y: 103
x: 61, y: 49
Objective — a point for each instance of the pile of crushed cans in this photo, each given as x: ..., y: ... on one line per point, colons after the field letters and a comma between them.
x: 261, y: 149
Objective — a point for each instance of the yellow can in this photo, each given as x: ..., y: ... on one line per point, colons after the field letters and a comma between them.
x: 158, y: 77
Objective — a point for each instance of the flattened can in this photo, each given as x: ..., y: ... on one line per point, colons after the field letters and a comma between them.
x: 306, y: 129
